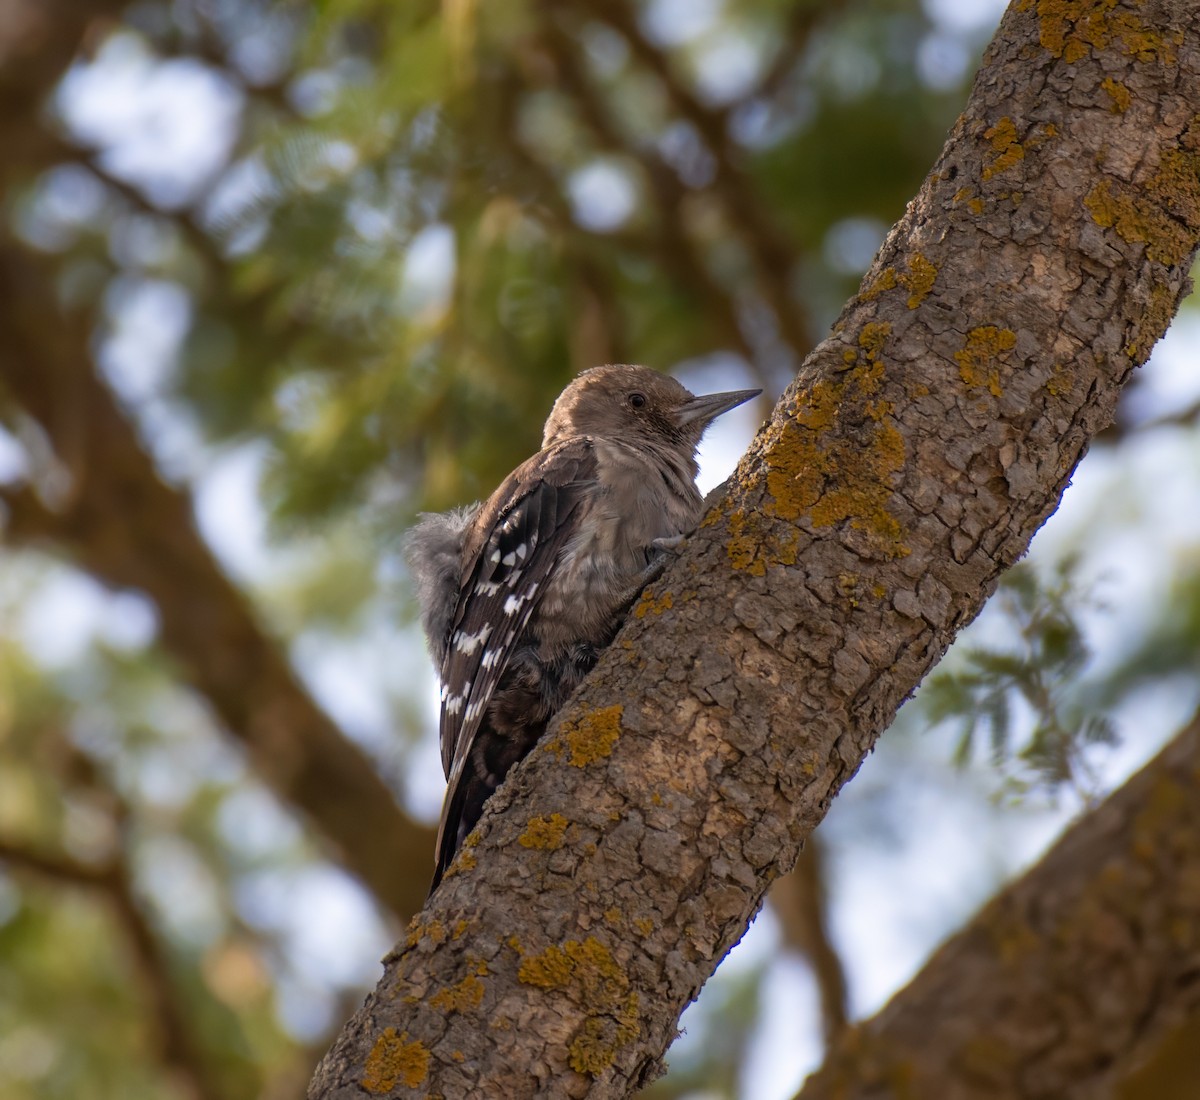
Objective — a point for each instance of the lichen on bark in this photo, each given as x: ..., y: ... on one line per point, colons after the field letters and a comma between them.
x: 905, y: 468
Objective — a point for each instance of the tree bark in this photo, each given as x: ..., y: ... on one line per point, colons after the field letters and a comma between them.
x: 1066, y: 981
x: 908, y: 465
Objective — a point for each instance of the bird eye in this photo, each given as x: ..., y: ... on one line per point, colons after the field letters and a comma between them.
x: 637, y: 400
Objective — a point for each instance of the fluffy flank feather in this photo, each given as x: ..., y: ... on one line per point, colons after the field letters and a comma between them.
x: 434, y: 552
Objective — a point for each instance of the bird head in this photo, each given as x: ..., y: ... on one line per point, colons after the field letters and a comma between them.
x: 638, y: 404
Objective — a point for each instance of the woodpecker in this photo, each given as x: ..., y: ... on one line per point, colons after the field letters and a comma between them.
x: 519, y: 594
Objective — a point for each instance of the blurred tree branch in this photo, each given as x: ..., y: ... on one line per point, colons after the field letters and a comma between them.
x: 667, y: 239
x: 38, y: 39
x: 112, y: 881
x: 118, y: 519
x: 127, y: 527
x: 773, y: 255
x: 906, y: 468
x: 1068, y: 979
x: 800, y: 900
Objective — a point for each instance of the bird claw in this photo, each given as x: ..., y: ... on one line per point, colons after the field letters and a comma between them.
x: 666, y: 548
x: 652, y: 572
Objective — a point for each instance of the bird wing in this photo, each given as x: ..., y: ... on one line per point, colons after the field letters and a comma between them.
x: 523, y: 529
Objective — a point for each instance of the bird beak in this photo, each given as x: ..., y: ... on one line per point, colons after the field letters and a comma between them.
x: 705, y: 409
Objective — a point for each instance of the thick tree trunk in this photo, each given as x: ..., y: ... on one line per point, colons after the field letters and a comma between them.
x: 1070, y: 979
x: 909, y: 464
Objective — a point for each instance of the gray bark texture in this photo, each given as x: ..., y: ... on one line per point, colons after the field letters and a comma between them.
x: 1066, y: 984
x: 908, y: 465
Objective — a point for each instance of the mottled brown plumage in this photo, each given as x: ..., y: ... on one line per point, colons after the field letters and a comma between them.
x: 519, y: 595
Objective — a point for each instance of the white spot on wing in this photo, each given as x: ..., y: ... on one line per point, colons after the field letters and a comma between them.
x: 468, y: 643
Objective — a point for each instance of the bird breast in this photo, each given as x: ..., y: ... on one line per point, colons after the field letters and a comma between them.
x: 640, y: 496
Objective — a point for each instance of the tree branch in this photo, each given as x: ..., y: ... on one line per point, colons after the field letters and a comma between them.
x: 53, y: 866
x: 773, y: 255
x: 908, y: 465
x: 674, y: 248
x: 1068, y: 978
x: 167, y: 1017
x: 128, y: 528
x: 798, y: 899
x: 38, y: 40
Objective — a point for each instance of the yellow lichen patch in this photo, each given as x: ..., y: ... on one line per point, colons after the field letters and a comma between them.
x: 743, y: 547
x: 1007, y: 151
x: 919, y: 280
x: 589, y: 738
x: 836, y: 459
x: 651, y: 605
x: 1118, y: 93
x: 549, y: 969
x: 464, y: 861
x: 1153, y: 322
x: 1061, y: 382
x: 872, y: 339
x: 434, y: 931
x: 463, y: 996
x: 885, y: 280
x: 597, y: 983
x: 395, y: 1059
x: 753, y: 545
x: 976, y: 206
x: 595, y: 1048
x: 1164, y: 212
x: 962, y: 193
x: 544, y: 832
x: 644, y: 925
x: 590, y: 1052
x: 588, y: 965
x: 1072, y: 29
x: 981, y: 355
x: 613, y: 915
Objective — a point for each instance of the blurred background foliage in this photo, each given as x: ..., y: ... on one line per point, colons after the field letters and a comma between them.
x: 339, y: 256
